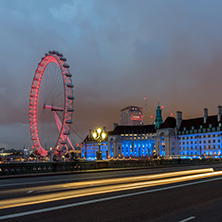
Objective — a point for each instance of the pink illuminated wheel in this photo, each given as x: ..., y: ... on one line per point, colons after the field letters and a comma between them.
x: 51, y: 104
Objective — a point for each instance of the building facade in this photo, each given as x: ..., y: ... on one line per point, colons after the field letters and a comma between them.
x: 194, y: 137
x: 131, y: 115
x: 187, y: 138
x: 123, y: 141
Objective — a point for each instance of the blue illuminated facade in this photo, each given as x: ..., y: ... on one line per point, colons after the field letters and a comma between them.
x: 187, y: 138
x: 123, y: 141
x: 191, y: 138
x: 91, y: 148
x: 141, y: 148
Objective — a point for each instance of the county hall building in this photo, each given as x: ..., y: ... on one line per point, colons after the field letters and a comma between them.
x: 188, y: 138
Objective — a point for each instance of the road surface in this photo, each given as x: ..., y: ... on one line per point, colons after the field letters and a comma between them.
x: 164, y: 194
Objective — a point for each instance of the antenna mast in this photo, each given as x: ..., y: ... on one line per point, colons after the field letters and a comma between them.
x: 144, y: 109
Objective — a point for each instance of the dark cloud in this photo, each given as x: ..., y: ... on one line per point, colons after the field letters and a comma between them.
x: 119, y: 53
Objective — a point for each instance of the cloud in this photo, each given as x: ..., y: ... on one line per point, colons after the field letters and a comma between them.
x: 119, y: 53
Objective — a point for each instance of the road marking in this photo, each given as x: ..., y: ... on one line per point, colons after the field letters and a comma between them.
x: 103, y: 199
x: 187, y: 219
x: 30, y: 191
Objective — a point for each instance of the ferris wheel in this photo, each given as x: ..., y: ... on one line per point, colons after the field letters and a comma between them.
x: 51, y: 104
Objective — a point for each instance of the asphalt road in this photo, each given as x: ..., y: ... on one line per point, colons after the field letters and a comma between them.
x: 134, y: 195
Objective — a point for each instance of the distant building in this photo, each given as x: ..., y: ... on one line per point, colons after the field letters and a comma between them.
x: 131, y: 116
x: 188, y: 138
x: 194, y: 137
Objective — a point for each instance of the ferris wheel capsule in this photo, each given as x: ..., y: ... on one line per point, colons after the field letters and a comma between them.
x: 66, y: 65
x: 63, y: 59
x: 70, y: 85
x: 59, y: 54
x: 68, y: 74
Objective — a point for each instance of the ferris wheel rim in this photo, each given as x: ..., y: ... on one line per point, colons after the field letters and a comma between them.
x: 51, y: 57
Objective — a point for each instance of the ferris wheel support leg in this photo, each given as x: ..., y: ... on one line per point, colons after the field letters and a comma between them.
x: 59, y: 125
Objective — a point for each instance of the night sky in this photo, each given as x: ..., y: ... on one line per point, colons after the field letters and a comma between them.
x: 119, y: 52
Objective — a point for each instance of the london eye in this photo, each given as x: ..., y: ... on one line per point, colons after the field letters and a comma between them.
x: 51, y: 104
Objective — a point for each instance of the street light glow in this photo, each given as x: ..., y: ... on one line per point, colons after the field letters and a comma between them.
x: 103, y: 135
x: 94, y: 135
x: 99, y: 136
x: 99, y: 130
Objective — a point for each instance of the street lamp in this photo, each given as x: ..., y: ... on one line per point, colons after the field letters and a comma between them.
x: 99, y: 136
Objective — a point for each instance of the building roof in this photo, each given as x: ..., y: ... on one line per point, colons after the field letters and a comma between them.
x: 132, y: 108
x: 139, y: 129
x: 133, y: 129
x: 196, y: 122
x: 170, y: 122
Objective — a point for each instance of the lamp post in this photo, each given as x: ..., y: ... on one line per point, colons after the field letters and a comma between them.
x: 99, y: 136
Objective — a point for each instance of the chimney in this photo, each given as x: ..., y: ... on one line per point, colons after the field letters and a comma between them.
x: 219, y: 113
x: 205, y: 115
x: 179, y: 119
x: 115, y: 125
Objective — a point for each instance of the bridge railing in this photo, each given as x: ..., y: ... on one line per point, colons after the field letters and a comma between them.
x: 48, y: 167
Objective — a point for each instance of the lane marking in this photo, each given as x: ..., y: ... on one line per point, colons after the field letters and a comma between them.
x: 30, y: 191
x: 187, y: 219
x: 102, y: 199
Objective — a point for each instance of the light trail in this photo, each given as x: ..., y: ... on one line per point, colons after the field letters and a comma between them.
x: 64, y: 179
x: 103, y: 182
x: 17, y: 202
x: 60, y: 207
